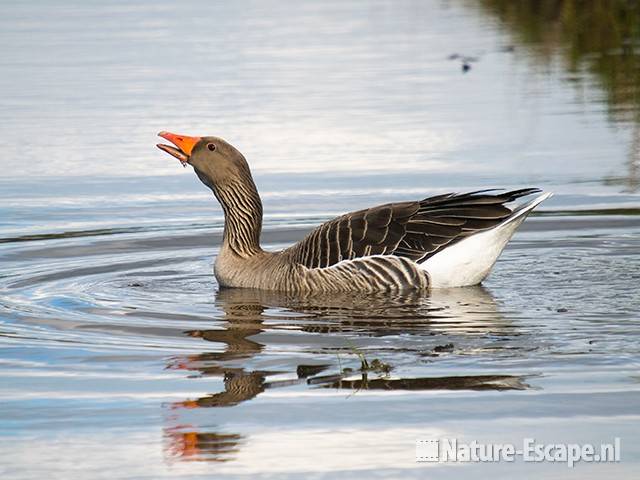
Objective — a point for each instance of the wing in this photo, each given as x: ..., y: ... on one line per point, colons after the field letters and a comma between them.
x: 414, y: 230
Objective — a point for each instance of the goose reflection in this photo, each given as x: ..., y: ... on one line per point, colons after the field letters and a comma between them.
x: 254, y: 320
x: 475, y: 382
x: 243, y: 318
x: 198, y: 446
x: 250, y: 313
x: 469, y: 309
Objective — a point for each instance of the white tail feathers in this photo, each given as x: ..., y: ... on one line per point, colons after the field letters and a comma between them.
x: 469, y: 261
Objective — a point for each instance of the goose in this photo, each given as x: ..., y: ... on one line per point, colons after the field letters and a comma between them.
x: 449, y: 240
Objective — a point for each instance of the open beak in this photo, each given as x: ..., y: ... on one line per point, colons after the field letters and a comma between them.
x: 184, y: 143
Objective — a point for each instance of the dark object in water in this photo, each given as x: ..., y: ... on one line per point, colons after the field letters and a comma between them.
x: 478, y: 383
x: 443, y: 348
x: 304, y: 371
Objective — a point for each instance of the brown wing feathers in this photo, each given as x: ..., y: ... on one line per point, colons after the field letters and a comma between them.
x: 446, y: 219
x: 415, y: 230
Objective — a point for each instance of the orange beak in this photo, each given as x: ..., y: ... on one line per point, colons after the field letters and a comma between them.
x: 184, y: 143
x: 189, y: 404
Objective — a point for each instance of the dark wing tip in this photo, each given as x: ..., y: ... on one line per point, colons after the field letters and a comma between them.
x: 523, y: 192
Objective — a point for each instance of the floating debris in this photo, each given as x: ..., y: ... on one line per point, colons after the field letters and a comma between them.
x: 443, y: 348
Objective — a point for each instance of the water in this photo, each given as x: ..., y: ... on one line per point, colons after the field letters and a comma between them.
x: 121, y: 359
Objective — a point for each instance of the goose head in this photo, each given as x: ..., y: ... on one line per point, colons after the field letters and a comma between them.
x: 216, y: 162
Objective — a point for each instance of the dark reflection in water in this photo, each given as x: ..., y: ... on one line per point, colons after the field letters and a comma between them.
x: 602, y: 37
x: 196, y: 446
x: 248, y: 313
x: 476, y: 382
x: 599, y: 37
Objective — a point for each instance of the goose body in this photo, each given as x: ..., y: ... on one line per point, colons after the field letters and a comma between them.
x: 448, y: 240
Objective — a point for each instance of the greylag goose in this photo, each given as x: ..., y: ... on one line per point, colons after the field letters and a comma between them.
x: 449, y: 240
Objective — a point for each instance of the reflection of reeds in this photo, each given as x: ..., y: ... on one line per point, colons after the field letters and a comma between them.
x: 601, y: 36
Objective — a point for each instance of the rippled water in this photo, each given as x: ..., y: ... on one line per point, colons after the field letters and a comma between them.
x: 119, y: 356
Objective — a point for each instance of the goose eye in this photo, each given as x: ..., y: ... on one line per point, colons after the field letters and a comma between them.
x: 211, y: 146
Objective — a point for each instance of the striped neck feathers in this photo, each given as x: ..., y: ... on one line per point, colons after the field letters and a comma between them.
x: 242, y: 214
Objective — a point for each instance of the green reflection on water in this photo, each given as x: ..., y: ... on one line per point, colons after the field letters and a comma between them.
x: 599, y: 37
x: 602, y: 37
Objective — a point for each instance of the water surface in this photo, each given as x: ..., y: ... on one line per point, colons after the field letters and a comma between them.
x: 120, y: 357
